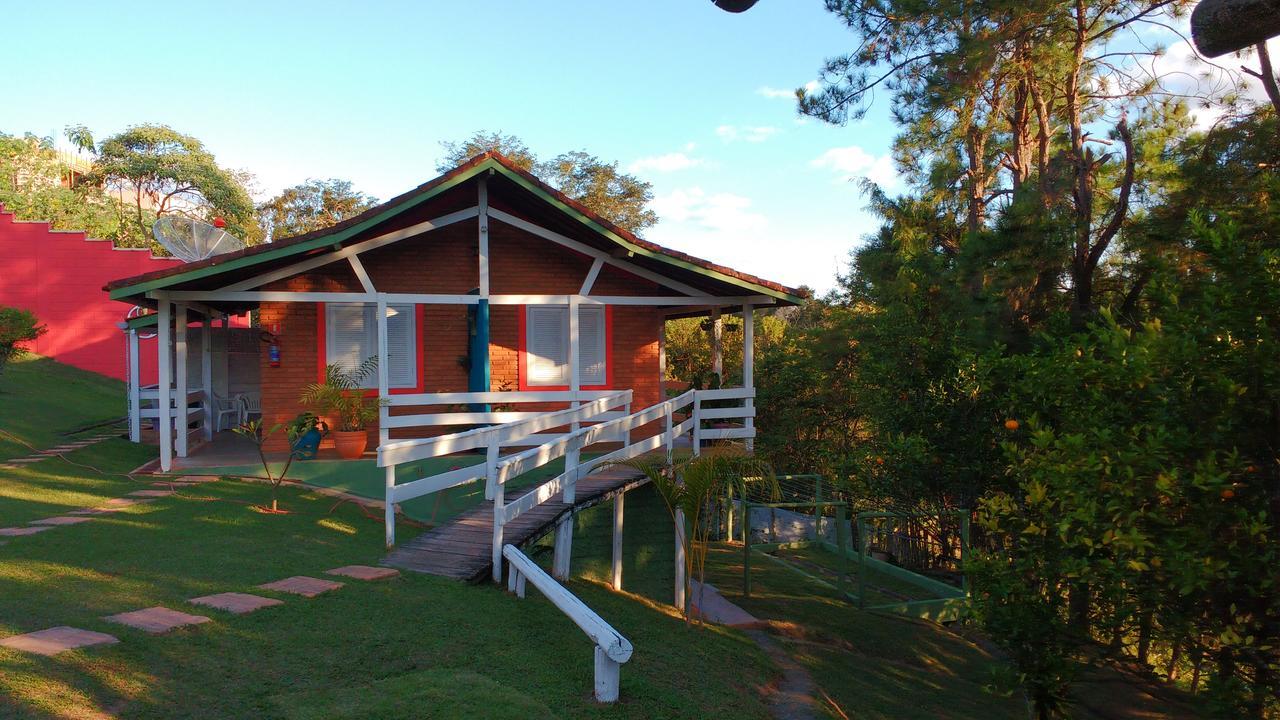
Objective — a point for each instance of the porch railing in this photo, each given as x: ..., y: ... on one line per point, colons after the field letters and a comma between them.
x: 388, y: 420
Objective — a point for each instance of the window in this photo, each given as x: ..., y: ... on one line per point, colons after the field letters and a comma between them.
x: 547, y: 345
x: 351, y: 337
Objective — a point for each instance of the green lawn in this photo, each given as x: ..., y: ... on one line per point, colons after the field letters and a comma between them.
x: 41, y: 399
x: 414, y: 647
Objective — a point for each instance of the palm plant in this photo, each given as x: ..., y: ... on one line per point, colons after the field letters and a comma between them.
x: 688, y: 486
x: 341, y: 396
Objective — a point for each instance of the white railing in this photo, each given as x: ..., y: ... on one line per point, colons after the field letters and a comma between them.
x: 611, y: 648
x: 388, y: 420
x: 150, y: 395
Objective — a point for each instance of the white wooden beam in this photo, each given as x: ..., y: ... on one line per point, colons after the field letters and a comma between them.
x: 354, y: 249
x: 206, y: 374
x: 717, y: 345
x: 748, y: 366
x: 592, y: 274
x: 482, y: 191
x: 325, y: 297
x: 590, y: 251
x: 135, y: 387
x: 164, y: 422
x: 618, y: 511
x: 384, y: 373
x: 180, y: 372
x: 358, y: 268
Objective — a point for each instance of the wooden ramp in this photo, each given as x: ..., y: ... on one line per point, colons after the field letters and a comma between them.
x: 463, y: 549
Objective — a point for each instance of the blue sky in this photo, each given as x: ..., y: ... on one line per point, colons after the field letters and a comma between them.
x: 677, y: 91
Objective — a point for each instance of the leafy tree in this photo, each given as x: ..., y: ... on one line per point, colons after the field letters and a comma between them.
x: 313, y: 205
x: 618, y: 197
x: 168, y: 172
x: 16, y: 327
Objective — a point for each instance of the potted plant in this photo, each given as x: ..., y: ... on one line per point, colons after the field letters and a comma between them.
x: 341, y: 397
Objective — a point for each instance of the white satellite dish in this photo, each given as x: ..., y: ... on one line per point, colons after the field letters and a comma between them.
x: 190, y: 240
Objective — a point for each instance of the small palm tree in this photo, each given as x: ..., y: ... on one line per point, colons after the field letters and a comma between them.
x: 341, y: 396
x: 689, y: 484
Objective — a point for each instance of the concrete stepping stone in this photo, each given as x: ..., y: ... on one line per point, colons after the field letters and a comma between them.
x: 234, y: 602
x: 364, y: 572
x: 28, y: 530
x: 56, y: 640
x: 62, y: 520
x: 156, y: 620
x: 302, y: 585
x: 90, y: 511
x: 125, y: 502
x: 25, y: 460
x: 152, y: 493
x: 198, y: 478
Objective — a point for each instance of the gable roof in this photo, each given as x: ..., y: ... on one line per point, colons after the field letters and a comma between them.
x: 494, y: 162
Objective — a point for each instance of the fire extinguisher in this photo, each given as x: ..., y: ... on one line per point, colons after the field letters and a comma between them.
x: 273, y: 352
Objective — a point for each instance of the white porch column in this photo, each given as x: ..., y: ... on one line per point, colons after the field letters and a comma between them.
x: 662, y: 361
x: 575, y: 352
x: 482, y: 241
x: 164, y: 423
x: 180, y: 371
x: 717, y: 345
x: 749, y: 365
x: 564, y: 530
x: 206, y: 374
x: 135, y: 387
x: 384, y: 373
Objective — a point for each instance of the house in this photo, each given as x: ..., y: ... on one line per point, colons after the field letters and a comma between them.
x: 490, y: 293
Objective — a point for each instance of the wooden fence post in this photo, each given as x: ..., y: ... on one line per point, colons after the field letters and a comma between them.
x: 499, y: 517
x: 617, y: 540
x: 607, y: 677
x: 389, y: 516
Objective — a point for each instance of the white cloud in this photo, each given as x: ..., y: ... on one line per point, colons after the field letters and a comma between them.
x: 670, y: 162
x: 712, y: 212
x: 852, y: 162
x: 746, y: 133
x: 774, y: 93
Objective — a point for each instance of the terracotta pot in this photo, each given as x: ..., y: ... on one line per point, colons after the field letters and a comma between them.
x: 350, y: 443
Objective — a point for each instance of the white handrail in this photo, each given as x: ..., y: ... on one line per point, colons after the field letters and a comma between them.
x: 611, y: 648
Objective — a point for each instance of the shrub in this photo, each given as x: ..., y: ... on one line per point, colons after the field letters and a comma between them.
x: 17, y: 326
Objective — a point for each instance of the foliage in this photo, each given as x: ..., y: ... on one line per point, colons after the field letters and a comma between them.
x: 35, y: 184
x: 168, y: 172
x: 618, y: 197
x: 341, y: 396
x: 313, y: 205
x: 688, y: 346
x: 255, y: 432
x: 689, y: 484
x: 17, y: 326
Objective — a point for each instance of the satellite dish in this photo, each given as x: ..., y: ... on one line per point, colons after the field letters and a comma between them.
x: 138, y: 311
x: 734, y: 6
x: 190, y: 240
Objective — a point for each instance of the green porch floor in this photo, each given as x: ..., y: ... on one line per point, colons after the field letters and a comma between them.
x: 365, y: 479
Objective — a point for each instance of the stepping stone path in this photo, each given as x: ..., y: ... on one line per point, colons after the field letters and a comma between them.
x: 156, y: 620
x: 56, y: 640
x: 30, y: 530
x: 62, y: 520
x: 234, y: 602
x: 302, y: 585
x: 364, y: 572
x: 152, y: 493
x: 39, y: 455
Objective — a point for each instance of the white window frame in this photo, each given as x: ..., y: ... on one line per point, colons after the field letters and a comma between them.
x: 371, y: 341
x: 564, y: 380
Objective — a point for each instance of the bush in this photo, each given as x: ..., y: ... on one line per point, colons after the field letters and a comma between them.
x: 16, y: 327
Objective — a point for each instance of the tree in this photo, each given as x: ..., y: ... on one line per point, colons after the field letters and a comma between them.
x: 313, y: 205
x: 16, y: 326
x: 618, y: 197
x: 512, y: 147
x: 168, y: 172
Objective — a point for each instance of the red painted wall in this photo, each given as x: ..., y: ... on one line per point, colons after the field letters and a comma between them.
x: 59, y: 275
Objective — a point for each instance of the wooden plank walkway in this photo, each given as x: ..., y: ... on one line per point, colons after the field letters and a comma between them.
x: 463, y: 548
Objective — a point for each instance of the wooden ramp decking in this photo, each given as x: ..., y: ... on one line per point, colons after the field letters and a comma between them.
x: 463, y: 548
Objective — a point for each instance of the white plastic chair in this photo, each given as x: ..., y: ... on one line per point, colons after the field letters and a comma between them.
x: 250, y: 406
x: 227, y: 407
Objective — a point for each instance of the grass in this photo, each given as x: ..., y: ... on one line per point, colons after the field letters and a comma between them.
x: 364, y: 478
x: 366, y: 648
x: 40, y: 400
x: 868, y: 664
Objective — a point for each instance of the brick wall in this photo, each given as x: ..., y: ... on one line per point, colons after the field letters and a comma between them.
x: 446, y: 261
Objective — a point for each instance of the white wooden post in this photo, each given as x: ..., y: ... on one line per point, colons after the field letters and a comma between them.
x: 662, y: 361
x: 717, y: 345
x: 499, y: 518
x: 225, y: 334
x: 164, y: 423
x: 384, y: 433
x: 135, y: 388
x: 180, y: 370
x: 697, y: 424
x: 560, y: 561
x: 617, y: 540
x: 575, y: 349
x: 483, y: 240
x: 608, y: 673
x: 669, y: 435
x: 748, y: 367
x: 389, y: 512
x: 491, y: 466
x: 206, y: 373
x: 680, y: 600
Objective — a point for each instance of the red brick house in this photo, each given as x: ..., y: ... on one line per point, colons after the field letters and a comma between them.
x: 498, y: 291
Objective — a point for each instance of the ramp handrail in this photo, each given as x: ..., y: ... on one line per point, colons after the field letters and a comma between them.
x: 611, y: 648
